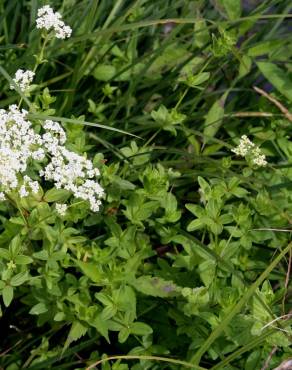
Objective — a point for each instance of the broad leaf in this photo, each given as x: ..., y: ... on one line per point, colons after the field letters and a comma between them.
x: 277, y: 77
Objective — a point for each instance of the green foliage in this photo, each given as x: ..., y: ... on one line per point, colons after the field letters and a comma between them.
x: 185, y: 265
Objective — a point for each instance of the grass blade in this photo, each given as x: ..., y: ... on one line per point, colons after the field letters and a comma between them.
x: 78, y: 122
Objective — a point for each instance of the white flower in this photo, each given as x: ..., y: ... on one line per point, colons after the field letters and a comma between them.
x: 56, y: 130
x: 247, y: 148
x: 39, y: 154
x: 244, y: 147
x: 50, y: 20
x: 2, y: 196
x: 61, y: 209
x: 20, y: 144
x: 33, y: 185
x: 23, y: 192
x: 23, y: 79
x: 73, y: 172
x: 258, y: 158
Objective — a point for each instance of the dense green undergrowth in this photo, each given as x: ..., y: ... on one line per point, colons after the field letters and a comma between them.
x: 187, y: 263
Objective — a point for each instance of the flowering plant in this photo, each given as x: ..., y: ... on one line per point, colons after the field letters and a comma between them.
x: 22, y: 143
x: 170, y: 247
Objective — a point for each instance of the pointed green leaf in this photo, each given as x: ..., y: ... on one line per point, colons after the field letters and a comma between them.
x: 38, y: 309
x: 233, y: 8
x: 4, y: 253
x: 195, y: 225
x: 23, y: 260
x: 155, y: 286
x: 140, y: 328
x: 214, y: 118
x: 77, y: 331
x: 277, y: 77
x: 91, y: 271
x: 19, y: 279
x: 7, y: 294
x: 56, y: 195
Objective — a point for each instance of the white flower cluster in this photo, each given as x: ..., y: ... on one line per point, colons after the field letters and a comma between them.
x: 61, y: 209
x: 28, y: 184
x: 72, y: 172
x: 23, y: 79
x: 248, y: 148
x: 20, y: 144
x: 48, y: 19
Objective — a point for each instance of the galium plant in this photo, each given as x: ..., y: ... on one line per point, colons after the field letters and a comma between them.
x: 183, y: 264
x: 23, y: 143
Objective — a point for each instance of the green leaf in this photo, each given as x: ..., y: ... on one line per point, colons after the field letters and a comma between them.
x: 38, y: 309
x: 91, y: 271
x: 140, y: 328
x: 205, y: 187
x: 155, y: 286
x: 7, y: 294
x: 19, y: 279
x: 196, y: 210
x: 201, y: 36
x: 137, y: 210
x: 101, y: 326
x: 169, y: 202
x: 277, y: 77
x: 123, y: 335
x: 245, y: 66
x: 200, y: 78
x: 195, y: 225
x: 214, y: 118
x: 41, y: 255
x: 265, y: 47
x: 15, y: 245
x: 23, y: 260
x: 125, y: 299
x: 254, y: 360
x: 108, y: 312
x: 196, y: 80
x: 56, y: 195
x: 167, y: 119
x: 60, y: 316
x: 213, y: 208
x: 207, y: 272
x: 4, y: 253
x: 104, y: 72
x: 77, y: 331
x: 233, y: 8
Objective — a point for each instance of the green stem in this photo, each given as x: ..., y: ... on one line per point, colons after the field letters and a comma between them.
x: 39, y: 60
x: 15, y: 204
x: 181, y: 98
x: 151, y: 138
x: 40, y: 57
x: 237, y: 308
x: 154, y: 358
